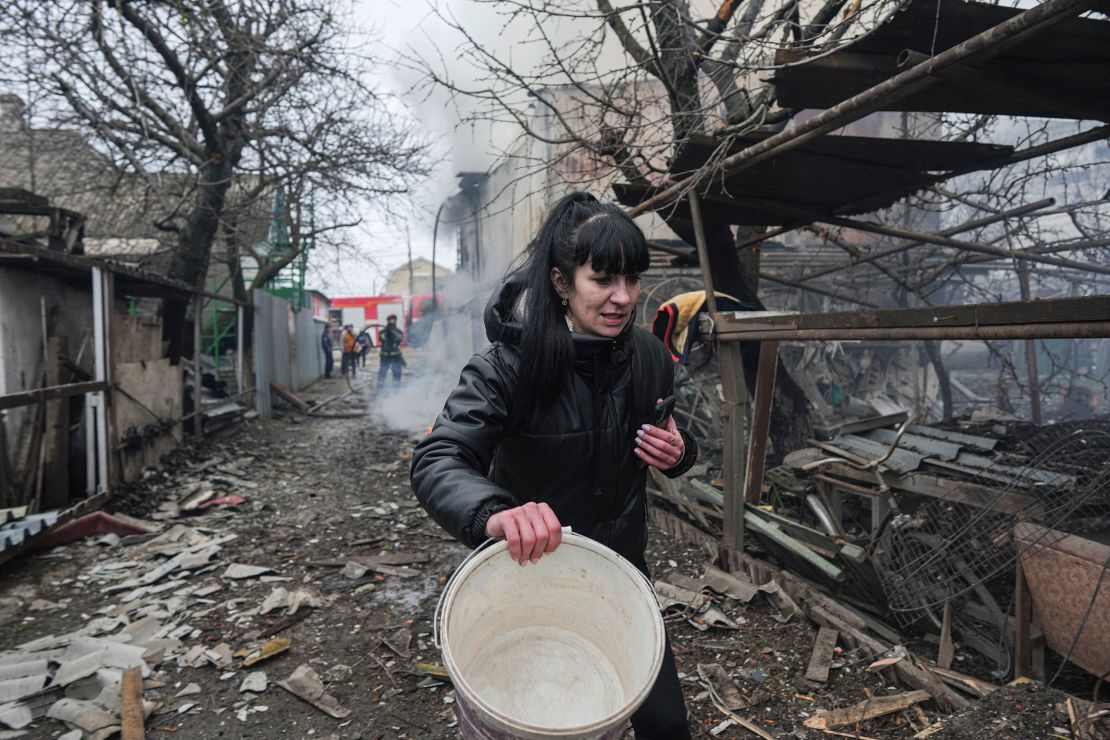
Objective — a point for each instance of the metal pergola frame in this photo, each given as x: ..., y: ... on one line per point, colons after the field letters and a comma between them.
x: 743, y: 463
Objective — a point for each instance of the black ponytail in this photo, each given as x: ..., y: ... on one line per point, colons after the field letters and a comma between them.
x: 577, y: 229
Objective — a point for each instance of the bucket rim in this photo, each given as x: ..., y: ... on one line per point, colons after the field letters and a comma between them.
x: 513, y: 725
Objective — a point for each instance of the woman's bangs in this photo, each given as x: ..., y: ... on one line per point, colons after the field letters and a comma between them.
x: 613, y: 245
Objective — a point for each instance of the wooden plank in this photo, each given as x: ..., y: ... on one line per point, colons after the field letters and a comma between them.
x: 26, y: 398
x: 289, y: 396
x: 1011, y: 313
x: 822, y: 655
x: 761, y: 420
x: 131, y: 703
x: 875, y: 706
x: 55, y: 490
x: 964, y: 492
x: 907, y: 671
x: 973, y: 686
x: 947, y: 650
x: 1023, y: 608
x: 735, y: 459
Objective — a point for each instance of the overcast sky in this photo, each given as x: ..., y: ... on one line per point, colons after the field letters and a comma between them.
x: 402, y: 26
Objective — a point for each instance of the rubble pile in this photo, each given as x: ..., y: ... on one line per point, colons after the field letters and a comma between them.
x: 162, y: 586
x: 285, y: 586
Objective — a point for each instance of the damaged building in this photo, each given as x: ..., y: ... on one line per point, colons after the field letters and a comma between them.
x: 89, y: 394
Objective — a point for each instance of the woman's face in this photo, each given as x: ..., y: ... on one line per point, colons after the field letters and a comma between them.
x: 598, y: 302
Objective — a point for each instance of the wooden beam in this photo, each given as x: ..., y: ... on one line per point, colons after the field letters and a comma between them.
x: 947, y: 650
x: 974, y: 50
x: 1065, y: 317
x: 821, y: 658
x: 27, y: 398
x: 131, y: 704
x: 875, y: 706
x: 964, y: 492
x: 735, y: 411
x: 761, y: 419
x: 1023, y: 617
x: 289, y: 396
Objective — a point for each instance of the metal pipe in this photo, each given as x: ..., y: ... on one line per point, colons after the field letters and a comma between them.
x: 776, y: 535
x: 768, y: 276
x: 435, y: 235
x: 822, y: 514
x: 100, y: 374
x: 703, y: 253
x: 945, y: 241
x: 1030, y: 349
x: 967, y: 226
x: 981, y: 46
x: 1077, y: 330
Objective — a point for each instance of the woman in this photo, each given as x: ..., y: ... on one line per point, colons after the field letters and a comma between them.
x: 552, y: 424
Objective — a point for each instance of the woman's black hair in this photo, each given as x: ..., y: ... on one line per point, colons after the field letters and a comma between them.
x: 578, y: 229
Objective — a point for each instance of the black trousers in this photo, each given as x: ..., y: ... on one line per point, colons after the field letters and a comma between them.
x: 329, y: 363
x: 663, y: 715
x: 389, y: 363
x: 350, y: 362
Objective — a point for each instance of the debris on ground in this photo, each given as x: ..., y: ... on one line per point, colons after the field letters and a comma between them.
x: 328, y: 590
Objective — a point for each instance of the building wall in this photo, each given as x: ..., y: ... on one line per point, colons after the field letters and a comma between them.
x: 401, y: 282
x: 286, y: 348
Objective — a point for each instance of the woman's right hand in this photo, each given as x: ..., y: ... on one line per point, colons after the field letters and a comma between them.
x: 531, y: 530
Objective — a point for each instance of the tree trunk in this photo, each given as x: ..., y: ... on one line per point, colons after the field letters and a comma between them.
x: 194, y: 247
x: 944, y: 383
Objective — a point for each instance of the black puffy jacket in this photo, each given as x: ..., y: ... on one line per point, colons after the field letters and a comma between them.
x: 576, y: 455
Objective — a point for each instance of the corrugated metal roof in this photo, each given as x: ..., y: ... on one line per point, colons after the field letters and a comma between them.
x: 917, y: 443
x: 832, y: 175
x: 964, y: 440
x: 900, y: 461
x: 1061, y: 71
x: 941, y: 451
x: 18, y: 529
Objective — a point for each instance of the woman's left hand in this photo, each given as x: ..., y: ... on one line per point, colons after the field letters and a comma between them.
x: 660, y: 448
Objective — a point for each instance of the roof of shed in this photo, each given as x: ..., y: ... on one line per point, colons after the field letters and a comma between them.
x: 1060, y: 72
x: 833, y: 175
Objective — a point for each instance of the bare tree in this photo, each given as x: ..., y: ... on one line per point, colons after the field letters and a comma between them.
x: 617, y: 91
x: 625, y: 89
x: 216, y: 104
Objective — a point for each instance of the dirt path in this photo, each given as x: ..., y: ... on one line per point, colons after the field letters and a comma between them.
x: 321, y: 492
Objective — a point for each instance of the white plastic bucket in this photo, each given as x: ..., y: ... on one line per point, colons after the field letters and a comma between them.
x: 568, y: 647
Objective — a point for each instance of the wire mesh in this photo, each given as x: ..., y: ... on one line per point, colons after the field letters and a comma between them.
x: 948, y: 549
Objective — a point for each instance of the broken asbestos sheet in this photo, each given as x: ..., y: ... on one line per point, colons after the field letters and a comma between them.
x: 305, y: 684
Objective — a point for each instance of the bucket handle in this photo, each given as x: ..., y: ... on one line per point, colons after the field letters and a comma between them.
x: 450, y: 581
